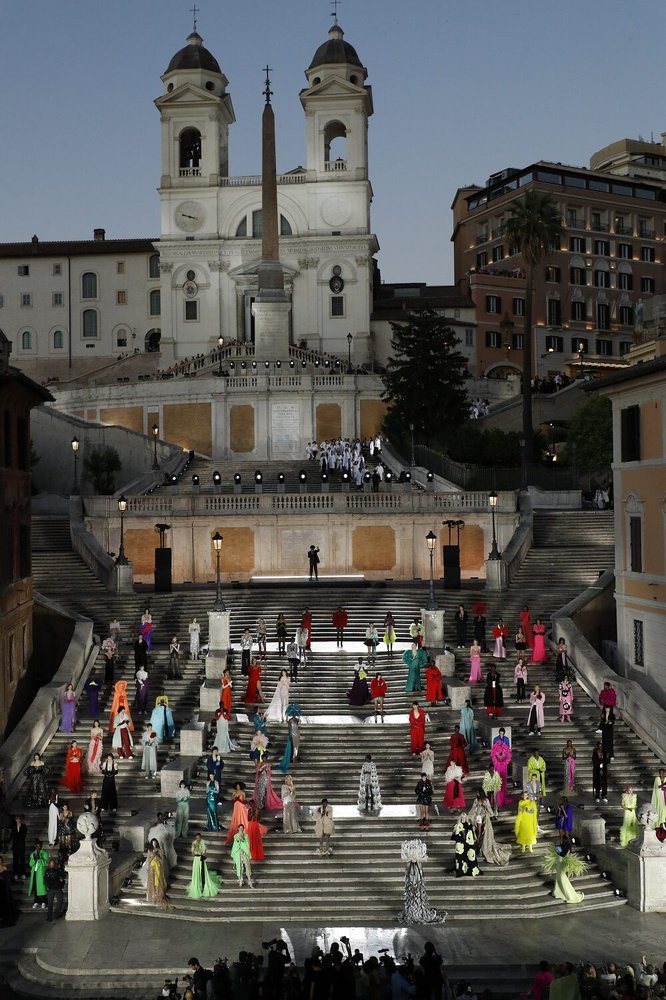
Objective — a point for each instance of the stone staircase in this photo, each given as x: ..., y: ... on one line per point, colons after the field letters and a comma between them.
x: 362, y: 883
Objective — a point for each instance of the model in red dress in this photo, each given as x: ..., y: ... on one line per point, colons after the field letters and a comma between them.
x: 306, y: 623
x: 226, y: 694
x: 457, y: 753
x: 73, y: 780
x: 433, y: 683
x: 539, y: 654
x: 526, y: 625
x: 454, y: 798
x: 253, y: 693
x: 255, y: 832
x: 417, y: 723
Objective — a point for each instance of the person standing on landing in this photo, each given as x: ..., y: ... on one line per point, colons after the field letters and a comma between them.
x: 340, y: 620
x: 313, y: 561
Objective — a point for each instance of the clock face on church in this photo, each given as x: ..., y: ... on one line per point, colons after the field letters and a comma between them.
x: 189, y: 216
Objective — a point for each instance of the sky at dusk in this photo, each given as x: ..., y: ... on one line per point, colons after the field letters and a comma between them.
x: 461, y: 90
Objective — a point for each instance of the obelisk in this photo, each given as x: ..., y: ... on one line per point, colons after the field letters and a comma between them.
x: 271, y: 306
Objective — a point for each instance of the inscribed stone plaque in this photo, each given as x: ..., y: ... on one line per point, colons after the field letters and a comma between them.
x: 285, y: 428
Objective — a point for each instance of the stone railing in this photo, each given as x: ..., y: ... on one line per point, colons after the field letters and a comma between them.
x: 43, y: 717
x: 636, y: 706
x: 252, y: 180
x: 401, y: 499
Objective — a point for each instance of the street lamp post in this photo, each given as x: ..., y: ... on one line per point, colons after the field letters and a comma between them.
x: 349, y: 345
x: 122, y: 507
x: 411, y: 431
x: 75, y: 484
x: 220, y: 344
x: 492, y: 500
x: 156, y: 432
x: 217, y: 545
x: 431, y: 541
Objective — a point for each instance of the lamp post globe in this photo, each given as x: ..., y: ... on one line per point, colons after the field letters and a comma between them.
x: 75, y: 451
x: 122, y: 507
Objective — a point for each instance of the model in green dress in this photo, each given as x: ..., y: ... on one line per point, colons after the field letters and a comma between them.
x: 630, y: 828
x: 203, y: 883
x: 38, y: 861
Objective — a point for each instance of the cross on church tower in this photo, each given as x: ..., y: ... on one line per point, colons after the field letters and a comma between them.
x: 267, y: 89
x: 194, y: 11
x: 334, y: 14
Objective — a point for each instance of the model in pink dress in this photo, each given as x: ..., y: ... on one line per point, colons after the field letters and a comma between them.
x: 475, y: 674
x: 539, y: 652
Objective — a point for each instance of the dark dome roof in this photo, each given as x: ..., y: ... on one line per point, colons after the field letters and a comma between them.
x: 335, y: 50
x: 194, y: 56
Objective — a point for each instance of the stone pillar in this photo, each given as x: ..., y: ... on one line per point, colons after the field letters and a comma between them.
x: 218, y: 643
x: 124, y: 578
x: 88, y: 871
x: 446, y: 663
x: 433, y: 626
x: 496, y: 575
x: 646, y: 871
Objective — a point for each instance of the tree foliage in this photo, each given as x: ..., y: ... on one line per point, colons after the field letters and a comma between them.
x: 100, y: 466
x: 533, y: 224
x: 424, y: 381
x: 590, y: 440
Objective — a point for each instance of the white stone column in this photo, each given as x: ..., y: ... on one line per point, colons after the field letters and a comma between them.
x: 88, y: 871
x: 219, y: 643
x: 433, y: 626
x: 496, y: 575
x: 646, y: 871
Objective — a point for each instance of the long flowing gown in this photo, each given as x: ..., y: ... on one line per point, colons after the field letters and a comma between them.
x: 68, y: 710
x: 433, y: 683
x: 54, y: 810
x: 535, y: 716
x: 475, y: 675
x: 255, y: 832
x: 73, y: 780
x: 359, y: 693
x: 566, y: 700
x: 194, y: 628
x: 37, y: 794
x: 630, y: 828
x: 278, y: 706
x: 457, y: 753
x: 526, y: 626
x: 481, y: 811
x: 161, y: 720
x: 563, y: 864
x: 203, y: 883
x: 290, y: 822
x: 569, y: 770
x: 156, y: 885
x: 525, y: 826
x: 468, y: 729
x: 493, y: 696
x: 223, y: 741
x: 416, y: 907
x: 659, y: 800
x: 454, y: 797
x: 109, y: 796
x: 238, y: 815
x: 264, y: 795
x: 183, y: 796
x: 251, y: 696
x: 501, y: 755
x: 93, y: 759
x: 413, y: 662
x: 212, y: 822
x: 539, y: 654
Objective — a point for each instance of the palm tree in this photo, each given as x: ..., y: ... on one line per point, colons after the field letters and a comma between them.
x: 532, y: 226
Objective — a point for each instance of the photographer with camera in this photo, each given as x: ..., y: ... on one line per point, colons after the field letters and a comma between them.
x: 200, y: 979
x: 278, y: 959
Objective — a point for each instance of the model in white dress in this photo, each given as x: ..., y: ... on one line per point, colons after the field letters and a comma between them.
x: 277, y: 709
x: 194, y: 628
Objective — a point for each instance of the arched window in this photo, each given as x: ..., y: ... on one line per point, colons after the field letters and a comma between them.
x: 335, y: 146
x: 26, y: 340
x: 258, y: 226
x: 190, y: 152
x: 154, y: 266
x: 89, y: 323
x: 155, y: 305
x: 285, y: 228
x: 89, y: 285
x: 241, y: 231
x: 58, y: 340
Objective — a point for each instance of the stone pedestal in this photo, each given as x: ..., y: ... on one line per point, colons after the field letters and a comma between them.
x: 172, y: 774
x: 218, y: 643
x: 488, y: 728
x: 210, y: 694
x: 446, y: 663
x: 133, y: 830
x: 88, y: 884
x: 496, y: 575
x: 589, y: 829
x: 433, y: 627
x: 193, y: 739
x: 123, y: 578
x: 459, y: 693
x: 646, y: 873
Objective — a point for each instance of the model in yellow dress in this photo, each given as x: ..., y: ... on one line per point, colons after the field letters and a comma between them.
x: 526, y: 823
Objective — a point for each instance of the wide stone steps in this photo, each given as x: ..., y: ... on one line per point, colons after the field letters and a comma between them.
x: 575, y: 529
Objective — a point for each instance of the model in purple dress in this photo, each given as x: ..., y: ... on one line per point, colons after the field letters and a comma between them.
x: 68, y: 710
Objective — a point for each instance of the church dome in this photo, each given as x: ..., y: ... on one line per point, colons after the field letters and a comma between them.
x: 335, y: 50
x: 194, y: 56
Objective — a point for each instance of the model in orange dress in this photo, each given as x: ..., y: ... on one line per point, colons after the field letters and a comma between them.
x: 255, y: 832
x: 239, y: 811
x: 226, y: 696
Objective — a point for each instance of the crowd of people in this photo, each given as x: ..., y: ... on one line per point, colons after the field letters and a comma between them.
x: 342, y: 973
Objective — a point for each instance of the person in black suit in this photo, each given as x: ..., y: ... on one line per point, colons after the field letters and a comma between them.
x: 17, y: 836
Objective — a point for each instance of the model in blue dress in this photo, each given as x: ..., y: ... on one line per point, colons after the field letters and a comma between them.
x: 162, y: 719
x: 414, y: 659
x: 212, y: 789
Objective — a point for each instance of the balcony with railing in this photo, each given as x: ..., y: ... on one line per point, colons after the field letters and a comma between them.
x: 335, y: 166
x: 481, y: 238
x: 189, y: 172
x: 646, y: 233
x: 254, y: 180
